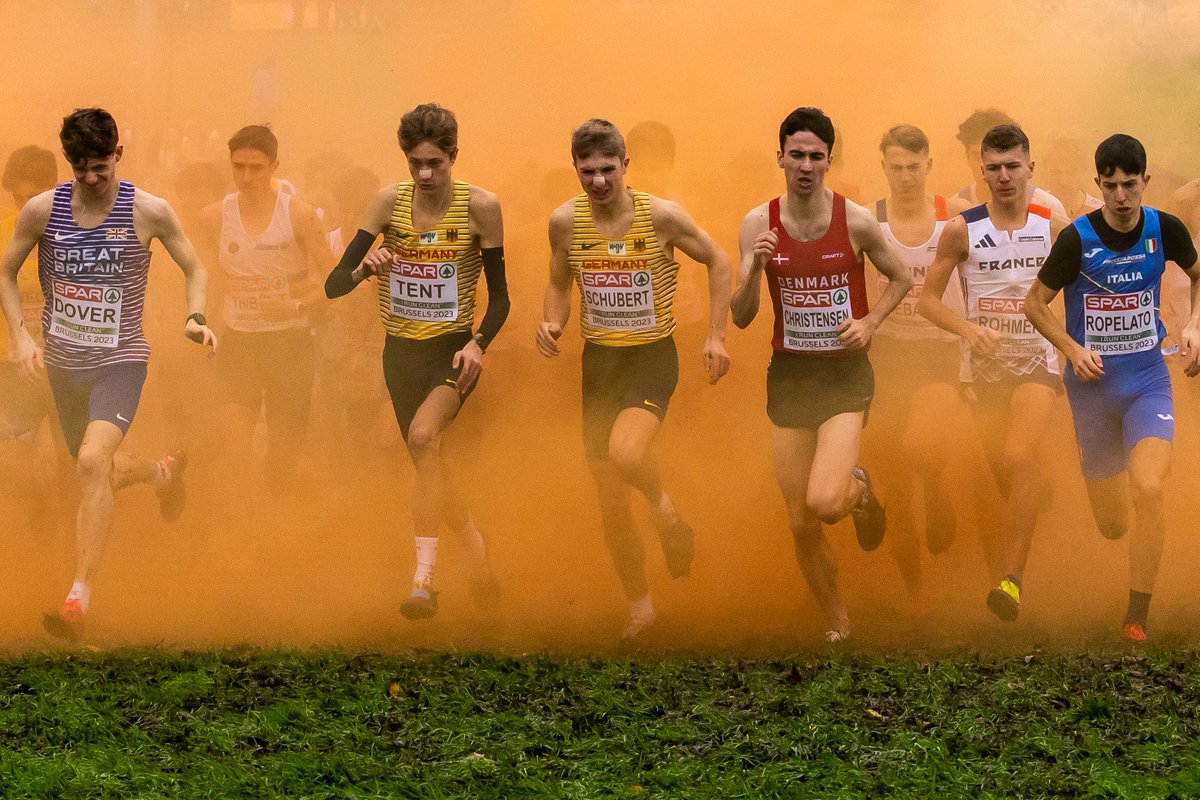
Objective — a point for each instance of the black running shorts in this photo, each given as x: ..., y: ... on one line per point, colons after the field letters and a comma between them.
x: 272, y: 369
x: 617, y: 378
x: 412, y: 368
x: 805, y: 391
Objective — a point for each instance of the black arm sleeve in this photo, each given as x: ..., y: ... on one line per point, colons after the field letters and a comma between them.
x: 1062, y: 265
x: 1177, y: 242
x: 340, y: 281
x: 498, y: 303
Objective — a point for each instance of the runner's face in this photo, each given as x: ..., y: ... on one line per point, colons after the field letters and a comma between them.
x: 1122, y: 193
x: 804, y: 160
x: 95, y: 175
x: 602, y: 177
x: 430, y: 165
x: 905, y: 170
x: 1007, y: 172
x: 252, y: 170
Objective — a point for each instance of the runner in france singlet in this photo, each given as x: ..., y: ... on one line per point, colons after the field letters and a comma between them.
x: 259, y: 269
x: 904, y: 322
x: 626, y: 285
x: 1112, y: 308
x: 94, y: 281
x: 431, y: 287
x: 995, y: 278
x: 815, y: 286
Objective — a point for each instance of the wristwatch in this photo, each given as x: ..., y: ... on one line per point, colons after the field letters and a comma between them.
x: 478, y: 340
x: 200, y: 320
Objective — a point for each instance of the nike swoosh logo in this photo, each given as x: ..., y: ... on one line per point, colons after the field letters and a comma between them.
x: 588, y: 246
x: 122, y: 418
x: 59, y: 237
x: 1166, y: 417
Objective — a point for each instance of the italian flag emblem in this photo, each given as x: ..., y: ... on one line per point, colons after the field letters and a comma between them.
x: 1152, y: 245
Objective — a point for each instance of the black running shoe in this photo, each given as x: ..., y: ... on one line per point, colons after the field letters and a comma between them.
x: 870, y: 519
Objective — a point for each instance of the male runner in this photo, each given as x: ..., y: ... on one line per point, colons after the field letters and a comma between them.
x: 810, y: 245
x: 1011, y: 374
x: 439, y: 233
x: 918, y: 361
x: 970, y: 135
x: 269, y: 245
x: 1109, y: 264
x: 619, y: 244
x: 93, y: 236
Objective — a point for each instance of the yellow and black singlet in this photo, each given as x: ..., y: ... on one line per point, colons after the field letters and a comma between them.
x: 627, y: 285
x: 431, y: 288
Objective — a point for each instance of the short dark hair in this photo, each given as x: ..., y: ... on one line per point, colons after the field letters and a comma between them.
x: 908, y: 137
x: 33, y: 164
x: 1123, y: 152
x: 1005, y: 137
x: 256, y: 137
x: 597, y: 136
x: 808, y: 119
x: 88, y: 133
x: 976, y: 126
x: 431, y: 123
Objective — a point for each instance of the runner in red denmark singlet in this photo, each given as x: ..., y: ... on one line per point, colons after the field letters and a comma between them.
x: 815, y: 286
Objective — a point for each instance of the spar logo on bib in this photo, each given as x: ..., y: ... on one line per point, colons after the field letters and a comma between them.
x: 424, y: 291
x: 1119, y: 323
x: 86, y: 315
x: 618, y: 299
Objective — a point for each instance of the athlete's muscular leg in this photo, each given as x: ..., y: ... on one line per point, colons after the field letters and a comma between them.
x: 629, y: 452
x: 1149, y: 463
x: 425, y: 449
x: 793, y: 450
x: 94, y: 519
x: 1029, y: 417
x: 1110, y: 504
x: 926, y: 439
x: 616, y: 518
x: 832, y: 491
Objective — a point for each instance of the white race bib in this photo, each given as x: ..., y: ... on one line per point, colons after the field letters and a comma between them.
x: 1119, y: 323
x: 811, y: 318
x: 426, y: 291
x: 1006, y: 316
x: 618, y: 299
x: 85, y: 314
x: 247, y: 295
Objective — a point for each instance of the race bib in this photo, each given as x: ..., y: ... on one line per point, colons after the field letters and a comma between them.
x: 424, y: 291
x: 87, y: 315
x: 618, y: 299
x: 247, y: 295
x: 1119, y: 323
x: 811, y: 318
x: 1006, y: 316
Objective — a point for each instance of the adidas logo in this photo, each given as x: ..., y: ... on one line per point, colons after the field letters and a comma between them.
x: 986, y: 241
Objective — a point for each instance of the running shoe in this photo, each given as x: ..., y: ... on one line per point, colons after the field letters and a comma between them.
x: 1134, y: 632
x: 1005, y: 600
x: 870, y: 518
x: 421, y: 604
x: 834, y: 636
x: 67, y: 622
x: 635, y: 628
x: 679, y: 547
x: 172, y: 495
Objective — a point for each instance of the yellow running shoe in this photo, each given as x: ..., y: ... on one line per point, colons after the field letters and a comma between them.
x: 1005, y: 600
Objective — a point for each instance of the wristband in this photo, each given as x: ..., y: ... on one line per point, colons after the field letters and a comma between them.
x: 478, y: 340
x: 200, y: 320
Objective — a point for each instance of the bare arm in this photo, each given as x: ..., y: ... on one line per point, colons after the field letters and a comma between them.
x: 676, y: 229
x: 31, y: 222
x: 756, y: 245
x: 868, y: 239
x: 314, y: 245
x: 556, y: 307
x: 156, y: 217
x: 1087, y: 364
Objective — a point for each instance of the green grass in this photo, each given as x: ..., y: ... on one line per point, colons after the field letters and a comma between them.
x: 261, y: 724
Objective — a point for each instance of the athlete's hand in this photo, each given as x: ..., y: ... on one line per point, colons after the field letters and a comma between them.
x: 855, y: 334
x: 1087, y: 364
x: 377, y: 263
x: 470, y: 359
x: 201, y: 334
x: 26, y: 354
x: 547, y: 338
x: 716, y: 358
x: 765, y: 245
x: 1189, y: 348
x: 982, y: 341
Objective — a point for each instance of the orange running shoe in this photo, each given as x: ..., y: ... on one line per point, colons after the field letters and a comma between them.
x: 67, y: 622
x: 1134, y: 631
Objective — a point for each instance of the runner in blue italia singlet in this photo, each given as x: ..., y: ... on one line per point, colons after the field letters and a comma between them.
x: 1109, y: 265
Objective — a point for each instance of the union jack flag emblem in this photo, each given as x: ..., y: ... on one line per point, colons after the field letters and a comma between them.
x: 117, y: 233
